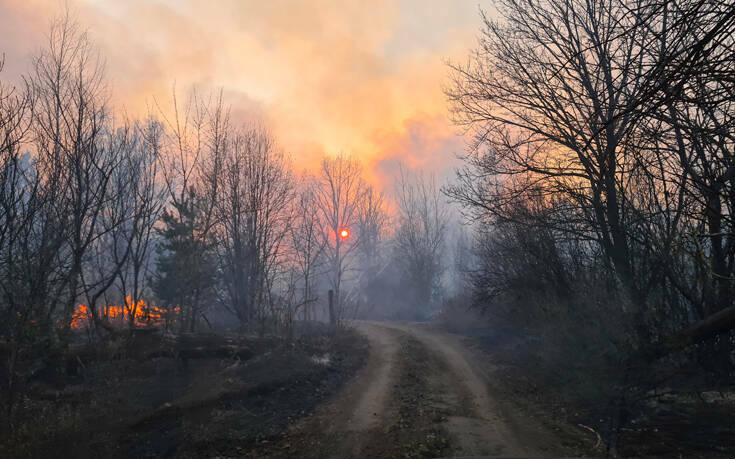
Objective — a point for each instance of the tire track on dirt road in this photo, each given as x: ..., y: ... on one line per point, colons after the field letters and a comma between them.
x: 347, y: 425
x: 413, y: 367
x: 475, y: 423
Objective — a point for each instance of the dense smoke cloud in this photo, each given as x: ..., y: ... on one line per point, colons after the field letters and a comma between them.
x: 326, y: 77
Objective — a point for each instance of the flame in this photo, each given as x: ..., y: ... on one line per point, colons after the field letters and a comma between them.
x: 144, y: 314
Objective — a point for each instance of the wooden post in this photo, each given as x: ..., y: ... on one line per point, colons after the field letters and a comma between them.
x: 332, y: 317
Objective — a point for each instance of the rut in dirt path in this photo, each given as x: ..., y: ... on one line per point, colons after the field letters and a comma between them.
x: 474, y: 422
x: 348, y: 425
x: 422, y: 393
x: 369, y: 395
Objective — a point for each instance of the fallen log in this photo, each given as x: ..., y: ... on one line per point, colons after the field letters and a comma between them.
x: 719, y: 322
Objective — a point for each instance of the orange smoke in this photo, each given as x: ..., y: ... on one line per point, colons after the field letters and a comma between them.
x: 369, y: 79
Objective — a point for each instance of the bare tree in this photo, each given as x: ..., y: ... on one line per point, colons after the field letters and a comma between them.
x: 252, y: 219
x: 339, y: 196
x: 122, y: 253
x: 307, y: 243
x: 69, y: 122
x: 21, y: 202
x: 372, y: 225
x: 147, y: 200
x: 420, y: 236
x: 374, y: 234
x: 15, y: 107
x: 108, y: 253
x: 550, y: 95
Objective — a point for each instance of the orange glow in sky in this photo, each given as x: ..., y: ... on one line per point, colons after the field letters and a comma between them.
x: 360, y: 77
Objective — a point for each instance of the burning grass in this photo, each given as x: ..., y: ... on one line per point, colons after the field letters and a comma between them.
x: 142, y: 314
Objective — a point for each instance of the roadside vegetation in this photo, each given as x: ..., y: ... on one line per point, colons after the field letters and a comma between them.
x: 601, y: 181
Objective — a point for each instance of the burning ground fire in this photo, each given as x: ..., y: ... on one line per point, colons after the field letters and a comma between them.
x: 144, y: 314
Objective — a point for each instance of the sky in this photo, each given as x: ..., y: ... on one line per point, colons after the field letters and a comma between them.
x: 360, y: 77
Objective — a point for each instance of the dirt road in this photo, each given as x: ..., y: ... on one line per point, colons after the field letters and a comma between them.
x: 422, y: 393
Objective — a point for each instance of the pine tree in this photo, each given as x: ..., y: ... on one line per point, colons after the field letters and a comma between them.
x: 186, y: 267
